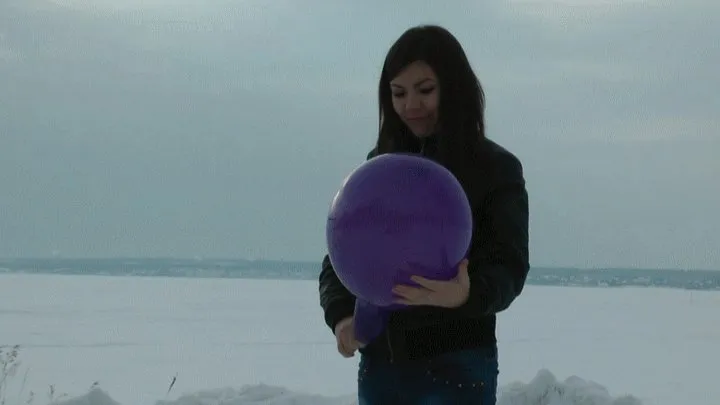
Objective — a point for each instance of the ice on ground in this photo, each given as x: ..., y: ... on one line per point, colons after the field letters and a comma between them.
x: 260, y: 394
x: 264, y: 342
x: 544, y: 389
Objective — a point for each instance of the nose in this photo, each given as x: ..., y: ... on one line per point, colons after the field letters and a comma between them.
x: 413, y: 102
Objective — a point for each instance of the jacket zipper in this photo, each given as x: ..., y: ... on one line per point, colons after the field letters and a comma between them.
x: 389, y: 341
x: 423, y: 142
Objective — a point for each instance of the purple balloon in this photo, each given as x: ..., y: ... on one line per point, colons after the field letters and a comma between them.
x: 397, y: 215
x: 369, y: 321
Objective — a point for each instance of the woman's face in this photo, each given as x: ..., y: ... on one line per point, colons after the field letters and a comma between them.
x: 415, y: 98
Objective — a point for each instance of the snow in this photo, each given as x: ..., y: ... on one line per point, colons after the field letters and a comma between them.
x: 263, y: 342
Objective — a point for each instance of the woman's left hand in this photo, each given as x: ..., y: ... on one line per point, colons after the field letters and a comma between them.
x: 448, y: 294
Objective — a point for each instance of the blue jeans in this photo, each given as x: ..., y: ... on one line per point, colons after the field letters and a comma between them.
x: 462, y: 378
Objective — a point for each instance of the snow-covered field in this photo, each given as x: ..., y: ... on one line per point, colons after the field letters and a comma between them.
x: 238, y: 342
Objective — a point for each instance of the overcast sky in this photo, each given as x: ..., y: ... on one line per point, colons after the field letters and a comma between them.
x: 170, y: 128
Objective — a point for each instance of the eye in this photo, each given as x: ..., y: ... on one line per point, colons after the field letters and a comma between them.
x: 398, y: 94
x: 427, y: 90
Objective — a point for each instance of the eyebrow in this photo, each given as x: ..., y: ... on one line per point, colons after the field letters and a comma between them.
x: 419, y: 82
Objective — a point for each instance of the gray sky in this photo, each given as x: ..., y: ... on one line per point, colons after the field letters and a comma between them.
x: 167, y: 128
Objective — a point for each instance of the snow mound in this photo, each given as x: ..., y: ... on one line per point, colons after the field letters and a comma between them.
x: 256, y: 395
x: 247, y: 395
x: 95, y: 396
x: 544, y: 389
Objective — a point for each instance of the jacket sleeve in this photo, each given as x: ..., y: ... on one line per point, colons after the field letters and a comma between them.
x: 499, y: 259
x: 336, y: 301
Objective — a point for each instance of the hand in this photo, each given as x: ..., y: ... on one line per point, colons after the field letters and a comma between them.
x: 448, y: 294
x: 345, y: 337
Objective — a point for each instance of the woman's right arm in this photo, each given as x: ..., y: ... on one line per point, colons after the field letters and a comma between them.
x: 336, y: 301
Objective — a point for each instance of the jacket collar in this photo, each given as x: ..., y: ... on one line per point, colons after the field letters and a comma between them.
x: 429, y: 145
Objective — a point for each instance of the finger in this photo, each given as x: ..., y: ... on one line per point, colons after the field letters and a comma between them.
x: 463, y: 266
x: 432, y: 285
x: 344, y: 350
x: 414, y: 296
x: 441, y: 285
x: 341, y: 348
x: 411, y: 293
x: 403, y: 301
x: 343, y: 341
x: 343, y: 324
x: 416, y: 301
x: 350, y: 350
x: 350, y: 342
x: 356, y: 344
x: 463, y: 277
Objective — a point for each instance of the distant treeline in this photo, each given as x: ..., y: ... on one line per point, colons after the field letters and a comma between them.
x: 278, y: 269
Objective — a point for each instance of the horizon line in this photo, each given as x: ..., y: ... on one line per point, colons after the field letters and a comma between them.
x: 314, y: 262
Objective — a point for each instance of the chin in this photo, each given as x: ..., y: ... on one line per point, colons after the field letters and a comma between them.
x: 421, y: 132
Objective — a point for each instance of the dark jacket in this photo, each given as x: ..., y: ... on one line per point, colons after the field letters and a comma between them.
x: 498, y: 268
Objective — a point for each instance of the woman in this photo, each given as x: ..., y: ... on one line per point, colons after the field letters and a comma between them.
x: 443, y: 349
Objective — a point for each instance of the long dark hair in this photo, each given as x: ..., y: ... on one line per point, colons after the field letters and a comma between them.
x: 461, y: 104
